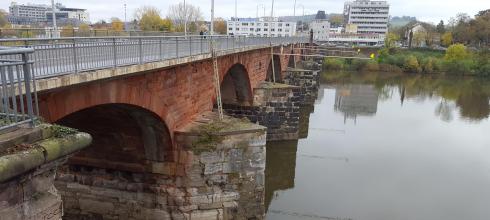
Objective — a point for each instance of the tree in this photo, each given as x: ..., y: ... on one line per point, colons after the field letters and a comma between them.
x: 391, y: 39
x: 456, y: 52
x: 117, y: 24
x: 180, y: 14
x: 447, y: 39
x: 440, y: 27
x: 83, y: 30
x: 3, y: 18
x: 67, y: 31
x: 336, y: 20
x: 149, y: 19
x: 220, y: 26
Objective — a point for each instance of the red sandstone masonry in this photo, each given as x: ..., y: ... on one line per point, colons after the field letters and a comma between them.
x: 177, y: 94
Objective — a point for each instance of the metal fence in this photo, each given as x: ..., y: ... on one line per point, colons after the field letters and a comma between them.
x: 72, y: 32
x: 18, y: 97
x: 71, y: 55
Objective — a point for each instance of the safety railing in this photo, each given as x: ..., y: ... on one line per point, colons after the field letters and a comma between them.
x: 72, y: 55
x: 18, y: 97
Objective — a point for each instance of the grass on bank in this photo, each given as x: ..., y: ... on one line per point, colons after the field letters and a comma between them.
x: 457, y: 60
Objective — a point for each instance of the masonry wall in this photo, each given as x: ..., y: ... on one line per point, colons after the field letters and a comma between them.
x: 275, y: 107
x: 225, y: 181
x: 307, y: 80
x: 176, y: 94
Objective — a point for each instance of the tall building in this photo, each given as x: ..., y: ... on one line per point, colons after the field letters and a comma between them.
x: 367, y: 17
x: 261, y: 27
x: 320, y: 27
x: 36, y: 13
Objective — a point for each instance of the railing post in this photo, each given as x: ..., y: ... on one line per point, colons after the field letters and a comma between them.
x: 27, y: 80
x: 177, y: 47
x: 160, y: 48
x: 114, y: 51
x: 140, y: 50
x: 190, y: 46
x: 75, y: 58
x: 201, y: 42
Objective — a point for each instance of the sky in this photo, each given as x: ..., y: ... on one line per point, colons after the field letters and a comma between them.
x: 425, y: 10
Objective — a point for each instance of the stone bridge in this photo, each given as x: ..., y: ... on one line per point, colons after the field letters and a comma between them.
x: 158, y: 150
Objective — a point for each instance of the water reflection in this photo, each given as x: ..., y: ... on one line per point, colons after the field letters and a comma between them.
x: 467, y: 97
x: 409, y: 159
x: 280, y: 168
x: 356, y: 100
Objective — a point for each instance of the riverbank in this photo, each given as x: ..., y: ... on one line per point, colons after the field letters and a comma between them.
x: 457, y: 60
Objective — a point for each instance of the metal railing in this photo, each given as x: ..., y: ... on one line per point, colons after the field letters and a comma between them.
x: 18, y: 97
x: 72, y: 32
x: 72, y: 55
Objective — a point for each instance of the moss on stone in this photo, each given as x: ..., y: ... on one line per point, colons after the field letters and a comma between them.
x: 209, y: 134
x: 60, y: 131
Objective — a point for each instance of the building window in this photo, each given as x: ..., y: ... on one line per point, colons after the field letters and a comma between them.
x: 287, y: 25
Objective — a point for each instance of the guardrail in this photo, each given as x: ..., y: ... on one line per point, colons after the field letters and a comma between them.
x: 72, y: 32
x: 72, y: 55
x: 18, y: 96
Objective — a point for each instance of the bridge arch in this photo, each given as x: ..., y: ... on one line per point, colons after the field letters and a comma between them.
x: 125, y: 137
x: 235, y: 86
x: 277, y: 69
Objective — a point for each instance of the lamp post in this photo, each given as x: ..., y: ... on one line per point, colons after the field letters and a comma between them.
x: 294, y: 9
x: 185, y: 20
x: 55, y: 28
x: 212, y: 18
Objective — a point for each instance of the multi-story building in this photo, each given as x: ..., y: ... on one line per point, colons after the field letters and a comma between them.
x: 369, y: 17
x: 265, y: 26
x: 320, y: 27
x: 35, y: 13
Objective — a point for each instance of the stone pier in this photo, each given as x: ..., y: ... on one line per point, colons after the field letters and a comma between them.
x: 29, y: 159
x: 217, y: 173
x: 275, y: 106
x: 307, y: 80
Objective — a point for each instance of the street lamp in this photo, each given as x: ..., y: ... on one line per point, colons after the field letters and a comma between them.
x: 294, y: 10
x: 212, y: 18
x: 303, y: 17
x: 260, y: 5
x: 185, y: 20
x: 55, y: 28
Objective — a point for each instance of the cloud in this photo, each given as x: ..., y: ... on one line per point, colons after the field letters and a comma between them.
x: 427, y: 10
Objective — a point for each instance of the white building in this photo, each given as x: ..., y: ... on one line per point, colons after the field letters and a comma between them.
x: 321, y: 29
x: 370, y: 17
x: 356, y: 39
x: 260, y: 27
x: 33, y: 13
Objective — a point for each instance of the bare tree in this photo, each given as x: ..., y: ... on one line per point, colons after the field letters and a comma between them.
x: 190, y: 13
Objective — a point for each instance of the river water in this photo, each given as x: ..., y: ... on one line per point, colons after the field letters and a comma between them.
x: 386, y: 147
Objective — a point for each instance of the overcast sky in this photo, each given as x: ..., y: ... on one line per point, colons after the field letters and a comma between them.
x: 424, y: 10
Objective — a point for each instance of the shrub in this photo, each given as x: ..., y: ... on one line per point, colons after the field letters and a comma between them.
x: 333, y: 64
x: 458, y: 67
x: 412, y: 64
x: 358, y: 64
x: 428, y: 65
x: 371, y: 66
x: 456, y: 52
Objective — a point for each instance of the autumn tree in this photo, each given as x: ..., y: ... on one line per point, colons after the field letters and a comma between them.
x: 456, y: 52
x: 3, y: 18
x: 220, y: 26
x: 336, y: 20
x: 149, y: 19
x: 440, y: 27
x: 83, y: 30
x: 391, y: 39
x: 180, y: 13
x: 117, y: 24
x: 447, y: 39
